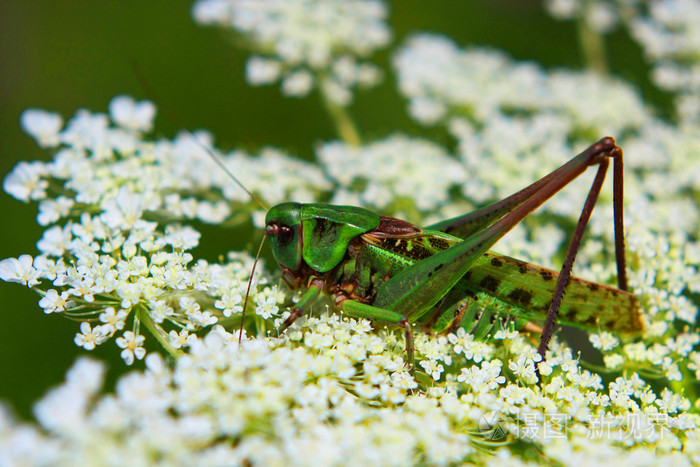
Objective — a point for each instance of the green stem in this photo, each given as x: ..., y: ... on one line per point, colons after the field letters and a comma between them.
x: 260, y: 327
x: 158, y: 332
x: 686, y: 386
x: 593, y: 47
x: 343, y: 122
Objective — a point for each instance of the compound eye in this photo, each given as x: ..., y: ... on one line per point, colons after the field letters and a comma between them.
x: 285, y: 235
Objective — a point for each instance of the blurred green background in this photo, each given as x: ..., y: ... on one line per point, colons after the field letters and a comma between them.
x: 63, y: 55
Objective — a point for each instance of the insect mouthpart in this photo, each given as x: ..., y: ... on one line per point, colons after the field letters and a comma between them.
x: 283, y: 233
x: 272, y: 229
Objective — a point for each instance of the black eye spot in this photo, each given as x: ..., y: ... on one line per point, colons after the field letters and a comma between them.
x: 285, y: 235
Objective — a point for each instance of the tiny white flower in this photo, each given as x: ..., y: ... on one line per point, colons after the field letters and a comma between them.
x: 484, y: 378
x: 671, y: 402
x: 266, y: 306
x: 181, y: 339
x: 212, y: 213
x: 124, y: 211
x: 182, y: 237
x: 42, y: 125
x: 337, y: 93
x: 49, y: 268
x: 403, y: 380
x: 52, y: 302
x: 613, y: 361
x: 524, y: 367
x: 132, y: 345
x: 230, y: 303
x: 506, y: 334
x: 19, y: 270
x: 297, y: 84
x: 130, y: 294
x: 136, y: 116
x: 160, y: 310
x: 562, y: 9
x: 55, y: 241
x: 391, y: 394
x: 89, y: 337
x: 604, y: 341
x: 26, y: 181
x: 602, y: 17
x: 433, y: 368
x: 52, y: 210
x: 260, y: 70
x: 114, y: 320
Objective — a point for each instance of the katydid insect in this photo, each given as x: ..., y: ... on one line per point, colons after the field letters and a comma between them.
x: 391, y: 271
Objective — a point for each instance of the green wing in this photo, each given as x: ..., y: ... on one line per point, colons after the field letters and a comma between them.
x: 524, y: 288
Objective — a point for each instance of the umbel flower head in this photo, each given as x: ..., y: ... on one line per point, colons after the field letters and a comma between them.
x: 127, y: 262
x: 304, y: 43
x: 122, y: 212
x: 666, y: 31
x: 116, y: 250
x: 332, y: 392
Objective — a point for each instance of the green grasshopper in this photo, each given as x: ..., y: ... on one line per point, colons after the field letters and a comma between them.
x: 391, y: 271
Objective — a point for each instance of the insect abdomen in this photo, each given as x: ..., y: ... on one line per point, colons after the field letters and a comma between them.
x: 530, y: 288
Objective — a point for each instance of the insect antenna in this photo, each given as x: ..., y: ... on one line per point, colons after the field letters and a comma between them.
x: 223, y: 167
x: 174, y: 118
x: 247, y: 292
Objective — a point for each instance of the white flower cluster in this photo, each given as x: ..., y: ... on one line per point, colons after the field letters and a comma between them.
x: 306, y: 43
x: 439, y: 79
x: 115, y: 249
x: 117, y: 255
x: 603, y: 16
x: 515, y: 123
x: 334, y: 393
x: 667, y: 30
x: 670, y: 36
x: 387, y: 171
